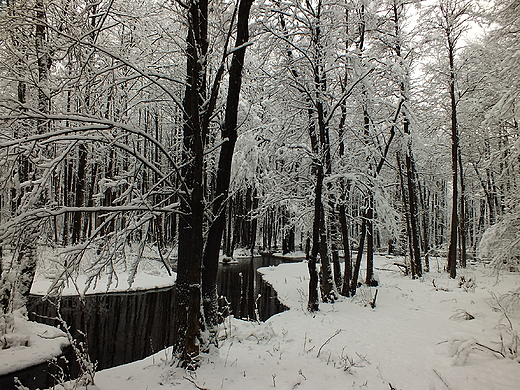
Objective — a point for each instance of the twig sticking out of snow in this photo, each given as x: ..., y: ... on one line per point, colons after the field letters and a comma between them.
x: 328, y: 340
x: 372, y: 303
x: 490, y: 349
x: 462, y: 315
x: 506, y: 304
x: 194, y: 384
x: 442, y: 379
x: 403, y: 268
x: 439, y: 288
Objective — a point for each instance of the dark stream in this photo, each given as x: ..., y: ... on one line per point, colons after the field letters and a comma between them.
x: 128, y: 326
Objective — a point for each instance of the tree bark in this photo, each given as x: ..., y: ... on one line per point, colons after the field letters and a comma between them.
x: 406, y: 202
x: 313, y: 304
x: 229, y: 132
x: 411, y: 173
x: 188, y: 308
x: 454, y: 224
x: 415, y: 253
x: 370, y: 281
x: 347, y: 273
x: 463, y: 228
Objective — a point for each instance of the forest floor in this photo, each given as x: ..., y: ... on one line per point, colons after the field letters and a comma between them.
x: 432, y: 333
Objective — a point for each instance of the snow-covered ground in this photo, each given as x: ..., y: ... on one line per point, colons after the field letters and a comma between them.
x: 30, y: 344
x: 419, y: 336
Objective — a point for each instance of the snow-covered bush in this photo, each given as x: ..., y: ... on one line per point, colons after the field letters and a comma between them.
x: 507, y: 304
x: 501, y: 243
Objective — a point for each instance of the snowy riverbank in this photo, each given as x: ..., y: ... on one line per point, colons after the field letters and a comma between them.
x: 124, y: 275
x: 417, y: 337
x: 29, y: 345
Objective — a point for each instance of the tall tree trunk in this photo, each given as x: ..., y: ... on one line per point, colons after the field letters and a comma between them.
x: 27, y: 253
x: 313, y: 303
x: 411, y: 173
x: 452, y: 249
x: 404, y: 195
x: 323, y: 150
x: 342, y: 210
x: 424, y: 199
x: 415, y: 254
x: 463, y: 227
x: 187, y: 321
x: 370, y: 281
x: 229, y: 132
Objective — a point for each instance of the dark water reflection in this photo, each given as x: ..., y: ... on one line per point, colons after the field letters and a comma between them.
x: 249, y: 296
x: 124, y: 327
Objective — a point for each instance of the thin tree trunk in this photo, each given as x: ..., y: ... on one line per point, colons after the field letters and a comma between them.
x: 424, y: 199
x: 414, y: 223
x: 454, y: 224
x: 254, y: 222
x: 359, y: 256
x: 463, y: 228
x: 79, y: 194
x: 370, y: 281
x: 411, y: 174
x: 404, y: 195
x: 347, y: 274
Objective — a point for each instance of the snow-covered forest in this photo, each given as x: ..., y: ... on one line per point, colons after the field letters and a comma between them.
x: 150, y: 143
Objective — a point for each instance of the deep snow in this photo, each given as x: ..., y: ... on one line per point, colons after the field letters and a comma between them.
x: 415, y: 338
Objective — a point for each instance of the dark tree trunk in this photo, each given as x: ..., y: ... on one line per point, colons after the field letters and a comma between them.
x: 463, y: 227
x: 228, y: 238
x: 370, y: 281
x: 406, y: 208
x: 27, y: 251
x: 415, y: 254
x: 424, y: 197
x: 328, y: 294
x: 342, y: 217
x: 452, y: 249
x: 322, y: 148
x: 254, y: 222
x: 229, y: 132
x: 187, y: 322
x: 411, y: 174
x: 313, y: 304
x: 79, y: 194
x: 347, y: 274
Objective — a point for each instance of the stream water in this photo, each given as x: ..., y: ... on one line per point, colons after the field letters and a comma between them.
x: 124, y: 327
